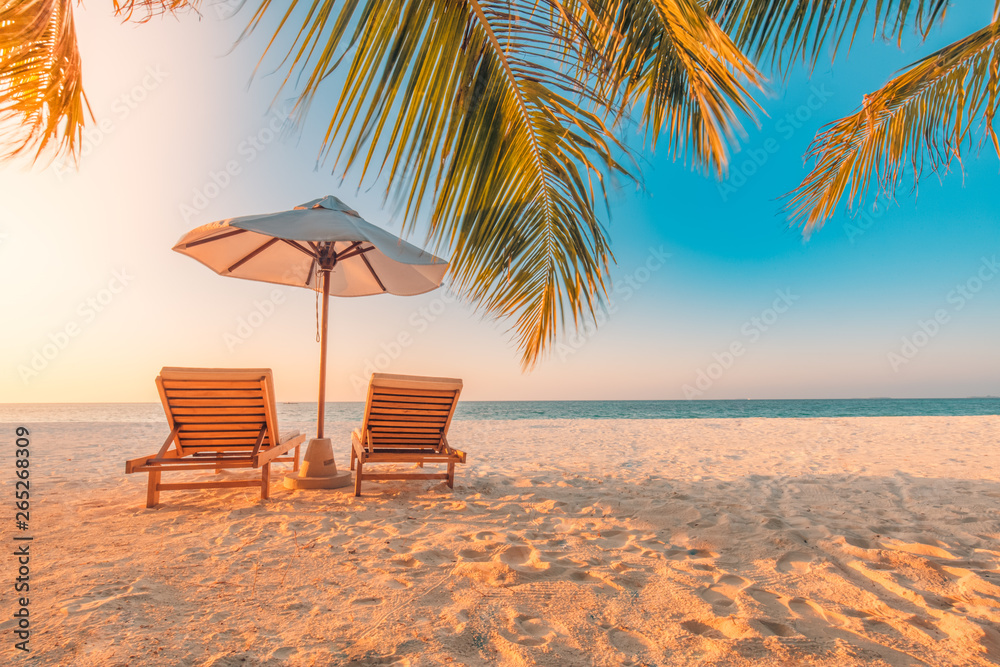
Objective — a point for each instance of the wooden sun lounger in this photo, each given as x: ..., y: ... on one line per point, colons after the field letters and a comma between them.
x: 406, y: 421
x: 219, y: 418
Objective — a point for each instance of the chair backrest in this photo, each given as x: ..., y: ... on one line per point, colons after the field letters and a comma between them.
x: 219, y: 409
x: 408, y: 411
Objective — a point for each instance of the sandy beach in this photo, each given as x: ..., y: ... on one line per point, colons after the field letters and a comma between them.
x: 632, y: 542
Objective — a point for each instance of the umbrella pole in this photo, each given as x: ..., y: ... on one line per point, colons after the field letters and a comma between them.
x: 319, y: 471
x: 322, y: 354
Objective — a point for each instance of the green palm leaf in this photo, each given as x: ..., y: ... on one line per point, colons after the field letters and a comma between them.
x: 42, y: 104
x: 922, y: 119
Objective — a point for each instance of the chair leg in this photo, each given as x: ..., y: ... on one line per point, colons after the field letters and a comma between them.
x: 357, y: 479
x: 265, y: 481
x: 451, y: 475
x: 153, y: 491
x: 295, y: 466
x: 354, y: 455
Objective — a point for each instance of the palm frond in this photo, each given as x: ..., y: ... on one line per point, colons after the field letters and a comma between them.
x: 466, y: 111
x: 789, y: 31
x: 921, y: 119
x: 671, y: 60
x: 42, y: 103
x: 149, y: 9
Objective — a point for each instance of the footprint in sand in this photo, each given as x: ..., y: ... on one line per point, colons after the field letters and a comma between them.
x: 774, y: 628
x: 702, y: 629
x: 528, y: 631
x: 474, y: 555
x: 713, y: 596
x: 366, y: 602
x: 733, y: 581
x: 527, y: 561
x: 722, y: 592
x: 514, y: 556
x: 858, y: 542
x: 629, y: 643
x: 795, y: 562
x: 772, y: 605
x: 809, y: 611
x: 804, y: 608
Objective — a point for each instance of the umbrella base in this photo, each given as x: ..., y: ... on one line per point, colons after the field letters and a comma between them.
x: 335, y: 482
x: 318, y: 471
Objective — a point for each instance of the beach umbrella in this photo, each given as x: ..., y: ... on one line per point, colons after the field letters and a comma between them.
x: 323, y: 245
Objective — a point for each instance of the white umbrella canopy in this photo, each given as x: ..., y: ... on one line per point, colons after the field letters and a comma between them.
x: 294, y: 247
x: 323, y: 245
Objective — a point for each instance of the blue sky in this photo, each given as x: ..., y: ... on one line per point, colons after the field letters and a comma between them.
x: 703, y: 269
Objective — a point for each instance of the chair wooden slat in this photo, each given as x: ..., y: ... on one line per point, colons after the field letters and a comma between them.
x: 421, y: 408
x: 256, y: 403
x: 213, y: 393
x: 195, y: 384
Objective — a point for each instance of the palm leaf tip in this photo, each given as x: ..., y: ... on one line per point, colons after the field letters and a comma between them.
x: 674, y: 65
x: 141, y: 11
x: 922, y: 119
x: 43, y: 107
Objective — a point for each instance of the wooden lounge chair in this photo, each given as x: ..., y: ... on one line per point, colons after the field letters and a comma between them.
x: 219, y: 418
x: 406, y: 421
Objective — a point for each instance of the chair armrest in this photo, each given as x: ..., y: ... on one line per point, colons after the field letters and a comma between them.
x: 357, y: 444
x: 284, y: 444
x: 287, y: 436
x: 452, y: 452
x: 132, y: 464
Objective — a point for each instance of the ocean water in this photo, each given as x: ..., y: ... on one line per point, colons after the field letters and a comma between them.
x: 27, y: 413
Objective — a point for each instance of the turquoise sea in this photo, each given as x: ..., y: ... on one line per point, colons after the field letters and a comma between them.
x: 478, y: 410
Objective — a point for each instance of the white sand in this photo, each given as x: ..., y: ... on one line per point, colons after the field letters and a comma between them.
x: 666, y: 542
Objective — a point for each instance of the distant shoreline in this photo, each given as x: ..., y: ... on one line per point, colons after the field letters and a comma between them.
x: 304, y: 413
